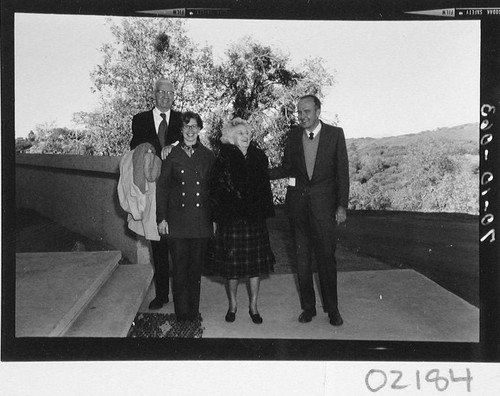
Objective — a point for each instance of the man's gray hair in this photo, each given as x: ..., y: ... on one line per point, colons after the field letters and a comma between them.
x: 161, y: 80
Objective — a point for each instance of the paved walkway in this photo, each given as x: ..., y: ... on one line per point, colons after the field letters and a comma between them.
x: 388, y: 305
x: 377, y: 302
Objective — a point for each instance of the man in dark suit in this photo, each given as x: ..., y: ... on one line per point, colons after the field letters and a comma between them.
x: 161, y: 127
x: 315, y: 160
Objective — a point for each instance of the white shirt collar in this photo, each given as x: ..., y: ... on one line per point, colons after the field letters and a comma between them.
x: 157, y: 117
x: 315, y: 131
x: 157, y: 112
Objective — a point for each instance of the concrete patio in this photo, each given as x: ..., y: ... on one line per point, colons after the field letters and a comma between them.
x: 386, y: 305
x: 90, y: 294
x: 65, y: 285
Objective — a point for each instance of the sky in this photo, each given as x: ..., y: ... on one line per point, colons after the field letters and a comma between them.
x: 391, y: 77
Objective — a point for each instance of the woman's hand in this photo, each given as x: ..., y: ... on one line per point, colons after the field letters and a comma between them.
x: 163, y: 227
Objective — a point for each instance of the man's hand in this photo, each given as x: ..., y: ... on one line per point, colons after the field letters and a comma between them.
x: 340, y: 215
x: 163, y: 227
x: 165, y: 151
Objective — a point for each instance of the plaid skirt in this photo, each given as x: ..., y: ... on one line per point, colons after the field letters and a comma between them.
x: 240, y: 250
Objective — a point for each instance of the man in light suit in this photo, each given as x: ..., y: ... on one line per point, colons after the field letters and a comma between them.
x: 315, y: 161
x: 161, y: 127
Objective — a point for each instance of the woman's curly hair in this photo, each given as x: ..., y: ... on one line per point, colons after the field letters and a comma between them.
x: 229, y: 129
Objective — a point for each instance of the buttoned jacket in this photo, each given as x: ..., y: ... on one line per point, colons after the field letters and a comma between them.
x: 329, y: 186
x: 182, y: 193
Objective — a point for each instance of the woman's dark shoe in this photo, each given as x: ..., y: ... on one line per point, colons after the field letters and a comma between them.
x: 256, y: 318
x: 231, y: 316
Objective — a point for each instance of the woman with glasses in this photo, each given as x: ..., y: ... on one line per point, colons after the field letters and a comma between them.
x: 242, y: 201
x: 184, y: 215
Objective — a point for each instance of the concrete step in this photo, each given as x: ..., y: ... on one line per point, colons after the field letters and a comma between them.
x: 112, y: 310
x: 52, y: 288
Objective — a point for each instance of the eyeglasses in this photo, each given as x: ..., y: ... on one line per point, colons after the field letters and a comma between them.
x: 191, y: 127
x: 166, y: 93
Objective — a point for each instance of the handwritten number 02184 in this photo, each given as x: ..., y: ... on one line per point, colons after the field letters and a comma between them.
x: 376, y: 380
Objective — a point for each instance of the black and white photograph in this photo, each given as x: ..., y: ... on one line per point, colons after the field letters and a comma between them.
x: 229, y: 184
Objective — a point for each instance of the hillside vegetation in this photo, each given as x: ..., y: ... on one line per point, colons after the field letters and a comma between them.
x: 431, y: 171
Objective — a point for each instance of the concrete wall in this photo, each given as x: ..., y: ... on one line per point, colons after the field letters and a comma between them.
x: 79, y: 193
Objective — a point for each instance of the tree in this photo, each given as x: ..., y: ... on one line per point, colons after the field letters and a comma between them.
x: 255, y: 77
x: 144, y: 50
x: 22, y: 145
x: 258, y: 84
x: 50, y: 139
x: 254, y: 82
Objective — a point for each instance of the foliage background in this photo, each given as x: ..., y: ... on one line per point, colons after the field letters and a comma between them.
x: 433, y: 171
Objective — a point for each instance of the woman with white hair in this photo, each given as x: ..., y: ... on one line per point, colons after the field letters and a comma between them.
x: 242, y: 200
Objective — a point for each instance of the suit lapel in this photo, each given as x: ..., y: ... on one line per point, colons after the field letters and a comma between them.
x: 173, y: 121
x: 151, y: 121
x: 323, y: 144
x: 169, y: 121
x: 150, y: 132
x: 301, y: 155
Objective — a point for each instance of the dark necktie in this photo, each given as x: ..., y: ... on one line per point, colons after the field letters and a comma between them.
x: 311, y: 135
x: 162, y: 130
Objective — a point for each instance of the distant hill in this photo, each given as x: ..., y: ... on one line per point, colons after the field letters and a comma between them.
x: 463, y: 133
x: 430, y: 171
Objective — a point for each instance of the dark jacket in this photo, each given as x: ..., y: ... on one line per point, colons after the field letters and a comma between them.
x: 239, y: 186
x: 329, y: 187
x: 182, y: 193
x: 144, y: 130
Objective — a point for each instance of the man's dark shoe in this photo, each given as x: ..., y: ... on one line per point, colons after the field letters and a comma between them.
x: 195, y: 317
x: 157, y: 303
x: 335, y: 318
x: 182, y: 317
x: 307, y: 315
x: 230, y: 316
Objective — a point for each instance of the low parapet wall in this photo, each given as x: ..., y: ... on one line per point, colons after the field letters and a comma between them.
x: 79, y: 193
